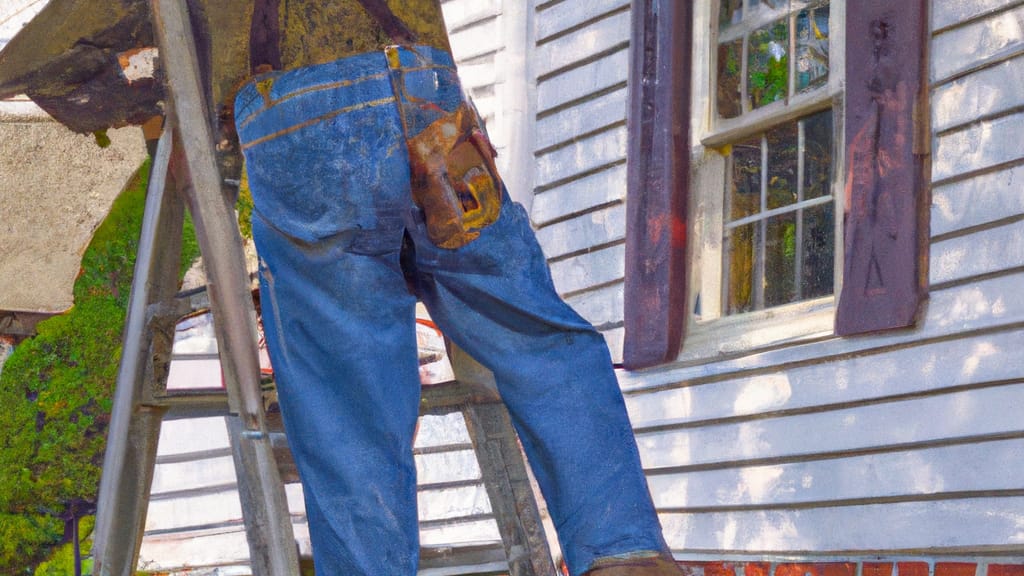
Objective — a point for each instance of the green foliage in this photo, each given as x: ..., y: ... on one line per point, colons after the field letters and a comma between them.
x: 23, y: 537
x: 57, y: 387
x: 62, y: 562
x: 245, y: 206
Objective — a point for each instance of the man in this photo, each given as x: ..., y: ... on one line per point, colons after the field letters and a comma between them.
x: 374, y: 188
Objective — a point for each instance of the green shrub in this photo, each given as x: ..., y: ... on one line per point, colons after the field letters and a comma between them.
x: 56, y: 389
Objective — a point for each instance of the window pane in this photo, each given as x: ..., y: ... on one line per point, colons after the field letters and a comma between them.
x: 818, y: 251
x: 731, y: 12
x: 768, y: 64
x: 783, y: 145
x: 745, y: 195
x: 818, y: 155
x: 812, y: 28
x: 780, y: 261
x: 740, y: 261
x: 730, y: 70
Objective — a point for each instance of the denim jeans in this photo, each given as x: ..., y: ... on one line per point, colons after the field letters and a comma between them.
x: 329, y: 173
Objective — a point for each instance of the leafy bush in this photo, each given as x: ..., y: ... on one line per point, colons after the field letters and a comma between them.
x: 56, y: 389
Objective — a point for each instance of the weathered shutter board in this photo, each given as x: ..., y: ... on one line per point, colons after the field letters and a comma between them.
x: 886, y: 148
x: 659, y: 128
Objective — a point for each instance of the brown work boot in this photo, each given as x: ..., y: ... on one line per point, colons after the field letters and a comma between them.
x: 641, y: 566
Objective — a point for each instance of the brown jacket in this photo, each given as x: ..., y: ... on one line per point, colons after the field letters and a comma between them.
x: 67, y: 58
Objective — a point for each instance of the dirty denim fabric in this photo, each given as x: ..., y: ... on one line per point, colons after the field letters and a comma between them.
x: 329, y: 174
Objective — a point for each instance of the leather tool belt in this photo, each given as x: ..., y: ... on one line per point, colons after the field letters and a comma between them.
x: 453, y: 175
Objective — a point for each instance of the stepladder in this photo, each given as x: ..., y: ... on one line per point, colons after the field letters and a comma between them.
x: 186, y: 175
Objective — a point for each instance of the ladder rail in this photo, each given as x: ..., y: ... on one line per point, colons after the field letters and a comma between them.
x: 128, y: 459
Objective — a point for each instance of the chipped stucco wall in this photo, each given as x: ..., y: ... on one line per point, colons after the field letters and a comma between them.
x: 55, y: 189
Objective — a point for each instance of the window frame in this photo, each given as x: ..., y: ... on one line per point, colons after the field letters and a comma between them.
x: 805, y: 318
x: 665, y: 266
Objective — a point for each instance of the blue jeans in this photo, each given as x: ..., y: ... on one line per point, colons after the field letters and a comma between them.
x: 329, y: 173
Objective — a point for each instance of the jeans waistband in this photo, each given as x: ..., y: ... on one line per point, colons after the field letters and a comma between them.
x: 280, y: 102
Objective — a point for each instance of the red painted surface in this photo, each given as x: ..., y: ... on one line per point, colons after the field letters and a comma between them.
x: 912, y: 569
x: 956, y: 569
x: 1006, y: 570
x: 877, y: 569
x: 817, y: 569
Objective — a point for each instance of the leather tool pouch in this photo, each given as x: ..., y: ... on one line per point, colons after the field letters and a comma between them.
x: 453, y: 176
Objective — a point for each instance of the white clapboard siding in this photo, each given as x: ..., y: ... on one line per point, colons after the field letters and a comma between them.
x: 903, y: 474
x: 601, y: 307
x: 589, y: 270
x: 983, y: 199
x: 572, y: 123
x: 582, y: 232
x: 894, y: 373
x: 904, y: 441
x: 594, y: 190
x: 984, y: 305
x: 555, y: 18
x: 915, y: 527
x: 979, y: 146
x: 988, y: 92
x: 482, y: 38
x: 975, y: 413
x: 977, y: 43
x: 578, y: 83
x: 983, y: 252
x: 459, y: 14
x: 176, y: 553
x: 610, y: 33
x: 585, y: 155
x: 580, y: 142
x: 947, y: 13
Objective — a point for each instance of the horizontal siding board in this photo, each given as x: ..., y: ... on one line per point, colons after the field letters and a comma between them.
x: 978, y: 147
x: 983, y: 305
x: 182, y: 437
x: 946, y: 13
x: 988, y: 92
x: 600, y: 307
x: 976, y: 201
x: 598, y: 150
x: 192, y: 474
x: 461, y: 13
x: 892, y: 372
x: 483, y: 37
x: 938, y: 418
x: 479, y: 531
x: 438, y: 467
x: 911, y: 526
x: 443, y: 430
x: 979, y: 467
x: 580, y: 195
x: 199, y: 510
x: 566, y: 125
x: 580, y: 82
x: 983, y: 252
x: 453, y: 503
x: 588, y: 270
x: 566, y: 15
x: 187, y: 552
x: 964, y: 48
x: 582, y: 44
x: 614, y: 337
x: 478, y: 75
x: 583, y: 232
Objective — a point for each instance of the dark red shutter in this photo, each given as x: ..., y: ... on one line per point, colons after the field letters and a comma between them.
x: 885, y: 269
x: 658, y: 180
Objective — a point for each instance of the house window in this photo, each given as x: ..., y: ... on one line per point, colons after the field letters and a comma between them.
x: 751, y: 142
x: 773, y: 120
